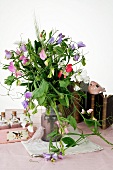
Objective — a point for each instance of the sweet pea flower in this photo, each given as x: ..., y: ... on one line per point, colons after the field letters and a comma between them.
x: 90, y: 111
x: 76, y: 57
x: 81, y: 44
x: 73, y: 78
x: 57, y: 123
x: 28, y: 95
x: 59, y: 40
x: 60, y: 156
x: 18, y: 73
x: 51, y: 40
x: 24, y: 59
x: 23, y: 48
x: 66, y: 130
x: 47, y: 156
x: 83, y: 111
x: 42, y: 54
x: 72, y: 46
x: 25, y: 104
x: 11, y: 67
x: 60, y: 74
x: 69, y: 68
x: 8, y: 54
x: 54, y: 156
x: 18, y: 52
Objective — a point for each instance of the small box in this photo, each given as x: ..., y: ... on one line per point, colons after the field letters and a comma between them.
x: 15, y: 135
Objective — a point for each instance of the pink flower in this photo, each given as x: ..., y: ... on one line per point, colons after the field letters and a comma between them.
x: 60, y: 74
x: 18, y: 52
x: 24, y: 59
x: 69, y: 68
x: 83, y: 111
x: 66, y: 130
x: 11, y: 67
x: 90, y: 110
x: 42, y: 54
x: 57, y: 123
x: 18, y: 73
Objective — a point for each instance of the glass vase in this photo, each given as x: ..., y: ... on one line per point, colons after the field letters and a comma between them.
x: 48, y: 122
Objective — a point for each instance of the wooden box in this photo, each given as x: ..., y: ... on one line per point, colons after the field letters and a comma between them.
x: 102, y: 106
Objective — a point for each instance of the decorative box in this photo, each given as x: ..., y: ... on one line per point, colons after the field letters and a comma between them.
x: 15, y: 135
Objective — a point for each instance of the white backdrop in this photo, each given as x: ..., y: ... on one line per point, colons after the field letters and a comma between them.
x: 90, y: 21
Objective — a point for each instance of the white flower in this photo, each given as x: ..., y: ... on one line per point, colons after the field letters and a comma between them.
x: 81, y: 76
x: 30, y: 128
x: 76, y: 88
x: 73, y: 78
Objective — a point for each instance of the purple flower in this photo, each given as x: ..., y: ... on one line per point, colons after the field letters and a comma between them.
x: 18, y: 52
x: 47, y: 156
x: 28, y: 95
x: 72, y: 46
x: 23, y: 48
x: 51, y: 40
x: 8, y: 54
x: 24, y: 59
x: 11, y: 67
x: 60, y: 156
x: 81, y: 44
x: 54, y: 156
x: 59, y: 40
x: 76, y: 57
x: 25, y: 104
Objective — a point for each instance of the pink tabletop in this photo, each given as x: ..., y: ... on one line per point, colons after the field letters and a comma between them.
x: 13, y: 156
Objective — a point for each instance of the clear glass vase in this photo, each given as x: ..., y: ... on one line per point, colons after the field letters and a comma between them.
x: 48, y: 122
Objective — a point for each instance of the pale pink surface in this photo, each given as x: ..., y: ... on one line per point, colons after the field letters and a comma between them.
x: 13, y: 156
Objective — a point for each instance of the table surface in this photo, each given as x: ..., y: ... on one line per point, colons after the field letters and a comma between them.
x: 13, y: 156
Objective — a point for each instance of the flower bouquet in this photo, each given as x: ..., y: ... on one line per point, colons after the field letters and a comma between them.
x: 47, y: 69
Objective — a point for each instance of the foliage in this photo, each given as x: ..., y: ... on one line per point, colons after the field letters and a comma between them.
x: 47, y: 69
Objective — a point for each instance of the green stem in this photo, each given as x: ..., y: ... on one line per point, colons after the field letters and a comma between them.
x: 104, y: 139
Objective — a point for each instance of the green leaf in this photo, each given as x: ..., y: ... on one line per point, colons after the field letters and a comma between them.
x: 52, y: 134
x: 41, y: 99
x: 69, y: 141
x: 59, y: 50
x: 54, y: 150
x: 72, y: 122
x: 41, y: 91
x: 67, y: 100
x: 83, y: 61
x: 89, y: 122
x: 64, y: 119
x: 64, y: 83
x: 9, y: 80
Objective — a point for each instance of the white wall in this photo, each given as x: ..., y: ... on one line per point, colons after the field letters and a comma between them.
x: 88, y: 20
